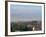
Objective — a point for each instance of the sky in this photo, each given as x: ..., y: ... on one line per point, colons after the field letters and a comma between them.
x: 25, y: 12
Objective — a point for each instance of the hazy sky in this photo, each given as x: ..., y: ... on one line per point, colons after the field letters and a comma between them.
x: 25, y: 12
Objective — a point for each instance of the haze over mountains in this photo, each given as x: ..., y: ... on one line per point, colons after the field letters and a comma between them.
x: 25, y: 13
